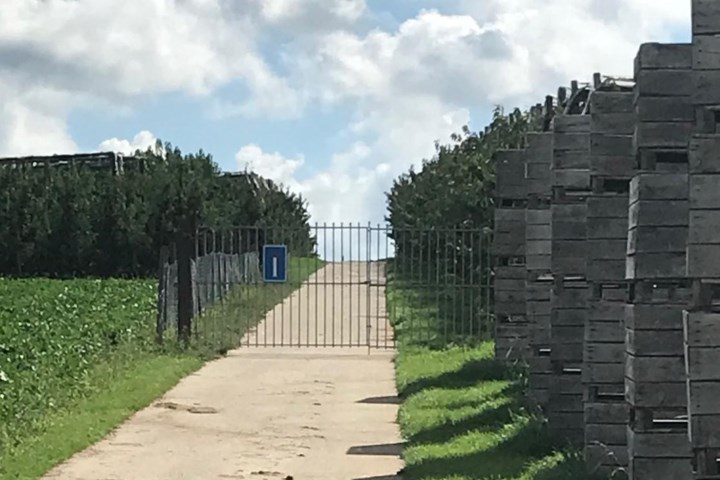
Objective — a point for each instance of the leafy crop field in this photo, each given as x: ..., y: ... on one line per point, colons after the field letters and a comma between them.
x: 52, y: 333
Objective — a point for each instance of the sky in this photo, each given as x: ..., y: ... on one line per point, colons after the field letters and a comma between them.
x: 332, y: 98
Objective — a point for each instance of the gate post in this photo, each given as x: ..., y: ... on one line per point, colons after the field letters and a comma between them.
x: 185, y: 252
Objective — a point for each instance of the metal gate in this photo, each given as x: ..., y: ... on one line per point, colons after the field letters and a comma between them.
x: 339, y: 285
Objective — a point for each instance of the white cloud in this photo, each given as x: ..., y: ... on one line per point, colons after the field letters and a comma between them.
x: 406, y: 88
x: 270, y: 165
x: 142, y: 141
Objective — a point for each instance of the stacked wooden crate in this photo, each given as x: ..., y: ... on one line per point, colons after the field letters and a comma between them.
x: 538, y: 247
x: 569, y: 297
x: 657, y: 435
x: 511, y: 328
x: 702, y: 321
x: 612, y: 165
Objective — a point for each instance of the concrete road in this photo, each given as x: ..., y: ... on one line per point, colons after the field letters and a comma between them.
x: 263, y: 414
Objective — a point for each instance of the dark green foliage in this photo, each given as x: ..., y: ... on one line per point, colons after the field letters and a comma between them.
x: 446, y: 210
x: 77, y: 221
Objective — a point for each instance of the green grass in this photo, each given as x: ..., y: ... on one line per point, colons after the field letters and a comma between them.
x: 464, y: 415
x: 124, y: 374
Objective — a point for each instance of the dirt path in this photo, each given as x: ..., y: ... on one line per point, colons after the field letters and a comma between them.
x: 262, y: 414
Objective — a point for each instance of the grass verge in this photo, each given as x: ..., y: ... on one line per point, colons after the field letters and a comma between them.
x: 130, y: 377
x: 463, y: 414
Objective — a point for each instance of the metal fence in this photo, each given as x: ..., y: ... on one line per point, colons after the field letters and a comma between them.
x: 346, y: 285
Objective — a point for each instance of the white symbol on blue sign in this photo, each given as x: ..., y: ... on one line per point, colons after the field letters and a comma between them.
x: 275, y: 263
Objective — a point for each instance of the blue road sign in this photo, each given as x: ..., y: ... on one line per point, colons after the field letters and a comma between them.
x: 275, y: 263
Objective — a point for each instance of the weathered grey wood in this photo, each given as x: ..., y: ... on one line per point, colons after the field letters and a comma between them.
x: 569, y: 248
x: 539, y: 262
x: 607, y: 228
x: 569, y: 350
x: 665, y: 83
x: 502, y: 296
x: 705, y: 431
x: 659, y: 186
x: 603, y: 373
x: 654, y: 317
x: 659, y: 445
x: 656, y: 395
x: 612, y: 297
x: 576, y: 212
x: 571, y: 124
x: 612, y: 165
x: 568, y: 385
x: 537, y: 171
x: 510, y: 308
x: 538, y: 291
x: 603, y: 353
x: 654, y: 369
x: 611, y: 102
x: 539, y: 144
x: 607, y: 311
x: 567, y: 403
x: 704, y: 87
x: 510, y: 272
x: 705, y: 18
x: 706, y: 52
x: 562, y: 334
x: 601, y: 144
x: 702, y: 363
x: 663, y: 56
x: 704, y: 398
x: 654, y: 344
x: 568, y: 230
x: 613, y: 123
x: 607, y: 413
x: 563, y: 159
x: 606, y: 249
x: 576, y: 179
x: 704, y: 154
x: 534, y: 309
x: 568, y: 317
x: 655, y: 265
x: 705, y: 192
x: 542, y: 248
x: 569, y: 265
x: 571, y: 296
x: 607, y: 434
x: 607, y: 207
x: 665, y: 109
x: 572, y: 142
x: 606, y: 270
x: 662, y: 135
x: 512, y: 216
x: 538, y: 216
x: 510, y: 284
x: 604, y: 332
x: 654, y: 213
x: 660, y: 468
x: 701, y: 329
x: 703, y: 261
x: 657, y: 239
x: 538, y: 232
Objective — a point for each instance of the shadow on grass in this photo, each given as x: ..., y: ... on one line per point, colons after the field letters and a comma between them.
x: 472, y: 372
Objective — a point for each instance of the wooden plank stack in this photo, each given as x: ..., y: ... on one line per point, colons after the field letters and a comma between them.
x: 612, y: 165
x: 658, y: 443
x: 511, y: 328
x: 538, y: 248
x: 568, y: 304
x: 702, y: 321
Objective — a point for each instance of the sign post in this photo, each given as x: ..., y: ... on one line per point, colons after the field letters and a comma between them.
x: 275, y: 264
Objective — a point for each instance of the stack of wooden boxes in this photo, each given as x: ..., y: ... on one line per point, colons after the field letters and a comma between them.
x: 568, y: 304
x: 702, y: 320
x: 658, y: 443
x: 612, y: 166
x: 511, y: 328
x: 538, y: 247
